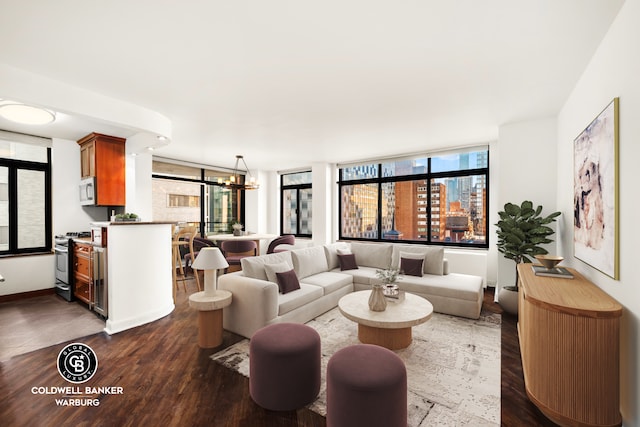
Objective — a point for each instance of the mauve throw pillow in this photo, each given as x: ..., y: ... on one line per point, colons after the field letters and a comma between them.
x: 411, y: 267
x: 288, y: 281
x: 347, y: 262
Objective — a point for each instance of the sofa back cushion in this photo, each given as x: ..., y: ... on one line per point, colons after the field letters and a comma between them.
x: 433, y: 257
x: 376, y: 255
x: 254, y: 266
x: 331, y: 253
x: 309, y: 261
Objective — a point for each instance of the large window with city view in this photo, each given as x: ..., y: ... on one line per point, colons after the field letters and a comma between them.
x: 436, y: 199
x: 192, y: 194
x: 25, y: 194
x: 296, y: 195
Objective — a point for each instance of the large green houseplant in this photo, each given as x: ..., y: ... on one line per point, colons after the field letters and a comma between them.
x: 521, y: 231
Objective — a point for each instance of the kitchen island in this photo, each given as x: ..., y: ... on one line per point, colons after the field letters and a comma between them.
x: 140, y: 287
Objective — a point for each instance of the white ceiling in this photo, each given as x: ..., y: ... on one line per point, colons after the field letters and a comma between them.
x: 288, y: 83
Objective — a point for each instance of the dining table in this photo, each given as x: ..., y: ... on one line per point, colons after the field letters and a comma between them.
x: 256, y: 237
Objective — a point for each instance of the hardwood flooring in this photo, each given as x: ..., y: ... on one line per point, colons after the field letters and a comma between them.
x: 168, y: 380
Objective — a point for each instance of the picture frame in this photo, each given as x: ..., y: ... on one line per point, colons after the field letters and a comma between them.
x: 596, y: 170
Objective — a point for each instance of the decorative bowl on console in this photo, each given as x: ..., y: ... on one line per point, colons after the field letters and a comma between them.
x: 549, y: 261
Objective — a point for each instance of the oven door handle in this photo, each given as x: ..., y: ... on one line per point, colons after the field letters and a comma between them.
x: 62, y: 249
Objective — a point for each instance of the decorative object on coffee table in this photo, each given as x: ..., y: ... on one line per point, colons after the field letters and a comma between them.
x: 388, y: 277
x: 377, y: 302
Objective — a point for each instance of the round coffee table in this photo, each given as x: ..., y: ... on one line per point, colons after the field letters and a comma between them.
x: 390, y: 328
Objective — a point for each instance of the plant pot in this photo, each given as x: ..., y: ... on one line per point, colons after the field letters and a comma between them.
x: 508, y: 299
x: 237, y: 232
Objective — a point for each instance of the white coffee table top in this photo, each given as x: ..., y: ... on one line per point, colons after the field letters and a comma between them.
x: 413, y: 310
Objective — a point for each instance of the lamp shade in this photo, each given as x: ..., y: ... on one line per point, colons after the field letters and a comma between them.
x: 209, y: 259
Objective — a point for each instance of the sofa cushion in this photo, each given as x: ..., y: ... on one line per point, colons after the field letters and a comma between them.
x: 298, y: 298
x: 364, y: 275
x: 433, y: 257
x: 347, y: 262
x: 411, y: 266
x: 272, y: 269
x: 254, y: 266
x: 456, y: 286
x: 329, y: 280
x: 376, y: 255
x: 308, y: 261
x: 331, y: 253
x: 287, y: 281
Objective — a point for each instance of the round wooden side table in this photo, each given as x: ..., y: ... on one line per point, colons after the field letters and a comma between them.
x: 210, y: 316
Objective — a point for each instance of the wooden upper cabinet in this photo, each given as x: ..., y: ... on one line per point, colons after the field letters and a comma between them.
x: 103, y: 157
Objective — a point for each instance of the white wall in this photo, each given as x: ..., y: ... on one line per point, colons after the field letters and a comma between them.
x: 526, y: 171
x: 31, y: 273
x: 612, y: 72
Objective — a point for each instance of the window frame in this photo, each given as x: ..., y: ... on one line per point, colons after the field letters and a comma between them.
x: 13, y: 167
x: 297, y: 188
x: 429, y: 177
x: 204, y: 181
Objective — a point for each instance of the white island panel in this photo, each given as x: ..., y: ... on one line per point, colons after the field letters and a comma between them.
x: 139, y: 274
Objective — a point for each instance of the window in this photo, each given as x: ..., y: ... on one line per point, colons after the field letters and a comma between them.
x: 296, y: 199
x: 25, y: 195
x: 192, y: 194
x: 440, y: 199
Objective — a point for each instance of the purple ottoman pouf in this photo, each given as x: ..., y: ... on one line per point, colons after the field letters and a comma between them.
x: 366, y: 386
x: 284, y: 366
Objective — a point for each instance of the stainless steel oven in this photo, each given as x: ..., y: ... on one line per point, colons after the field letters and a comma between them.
x: 63, y: 270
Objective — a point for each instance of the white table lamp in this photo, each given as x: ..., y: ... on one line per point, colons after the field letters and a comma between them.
x: 210, y: 260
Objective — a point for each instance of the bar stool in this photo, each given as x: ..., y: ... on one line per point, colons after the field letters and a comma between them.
x: 183, y: 237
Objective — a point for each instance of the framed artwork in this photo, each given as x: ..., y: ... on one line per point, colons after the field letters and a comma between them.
x: 595, y: 195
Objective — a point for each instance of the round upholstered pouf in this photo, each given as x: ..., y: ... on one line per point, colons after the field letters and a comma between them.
x: 284, y: 366
x: 366, y: 386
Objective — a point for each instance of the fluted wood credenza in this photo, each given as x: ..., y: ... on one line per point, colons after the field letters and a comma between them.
x: 569, y: 331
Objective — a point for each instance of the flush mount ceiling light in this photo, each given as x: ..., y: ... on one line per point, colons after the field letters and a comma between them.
x: 234, y: 181
x: 26, y: 114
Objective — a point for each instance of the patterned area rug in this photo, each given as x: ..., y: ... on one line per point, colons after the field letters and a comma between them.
x: 453, y: 367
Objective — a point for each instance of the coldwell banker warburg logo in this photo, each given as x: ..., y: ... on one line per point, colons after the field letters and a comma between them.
x: 77, y: 363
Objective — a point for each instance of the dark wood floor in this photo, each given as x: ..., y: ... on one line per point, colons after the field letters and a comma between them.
x: 167, y: 380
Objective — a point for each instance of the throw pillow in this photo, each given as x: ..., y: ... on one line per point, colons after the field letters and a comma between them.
x: 411, y: 266
x: 347, y: 262
x: 288, y: 281
x: 345, y: 251
x: 272, y: 269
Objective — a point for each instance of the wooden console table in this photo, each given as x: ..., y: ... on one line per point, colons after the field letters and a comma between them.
x: 569, y: 332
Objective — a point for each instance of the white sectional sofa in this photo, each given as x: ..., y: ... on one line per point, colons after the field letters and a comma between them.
x: 257, y: 301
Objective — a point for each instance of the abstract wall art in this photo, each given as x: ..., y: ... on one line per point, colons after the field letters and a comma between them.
x: 595, y: 160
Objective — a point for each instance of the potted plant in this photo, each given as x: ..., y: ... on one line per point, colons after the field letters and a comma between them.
x: 521, y: 231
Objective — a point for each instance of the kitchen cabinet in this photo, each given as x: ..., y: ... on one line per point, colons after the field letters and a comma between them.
x: 82, y: 272
x: 569, y: 332
x: 103, y: 157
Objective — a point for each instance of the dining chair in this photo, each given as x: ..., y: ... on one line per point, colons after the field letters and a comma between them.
x: 285, y: 239
x: 183, y: 239
x: 189, y: 257
x: 235, y: 250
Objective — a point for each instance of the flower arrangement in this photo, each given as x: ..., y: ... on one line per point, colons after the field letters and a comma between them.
x: 237, y: 228
x: 389, y: 275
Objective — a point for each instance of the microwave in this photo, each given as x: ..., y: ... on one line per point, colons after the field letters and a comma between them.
x: 88, y: 191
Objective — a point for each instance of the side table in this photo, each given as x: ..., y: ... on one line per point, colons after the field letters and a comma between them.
x: 210, y: 316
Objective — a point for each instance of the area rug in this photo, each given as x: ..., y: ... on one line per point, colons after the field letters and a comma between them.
x: 453, y: 367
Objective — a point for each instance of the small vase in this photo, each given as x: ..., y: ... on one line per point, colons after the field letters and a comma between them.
x: 377, y: 302
x: 237, y: 232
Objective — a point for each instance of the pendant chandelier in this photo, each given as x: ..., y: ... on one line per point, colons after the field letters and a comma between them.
x: 234, y: 181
